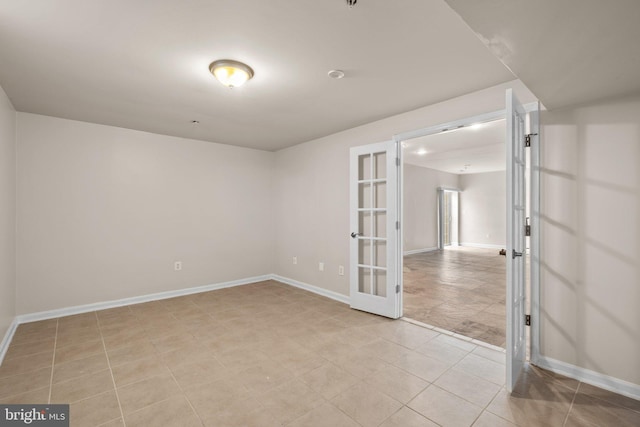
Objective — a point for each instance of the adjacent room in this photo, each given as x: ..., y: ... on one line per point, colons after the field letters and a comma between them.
x: 201, y: 211
x: 455, y: 221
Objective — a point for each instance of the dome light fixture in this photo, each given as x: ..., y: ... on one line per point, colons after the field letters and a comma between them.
x: 231, y: 73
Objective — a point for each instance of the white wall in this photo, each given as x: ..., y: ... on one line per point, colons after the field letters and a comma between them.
x: 590, y: 271
x: 7, y: 213
x: 483, y: 216
x: 312, y: 186
x: 420, y: 205
x: 104, y: 212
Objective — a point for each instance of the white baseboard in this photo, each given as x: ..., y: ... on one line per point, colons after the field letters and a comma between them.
x: 419, y: 251
x: 67, y: 311
x: 483, y: 245
x: 311, y: 288
x: 4, y: 345
x: 590, y: 377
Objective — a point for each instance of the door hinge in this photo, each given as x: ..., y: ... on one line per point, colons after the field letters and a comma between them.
x: 527, y: 319
x: 397, y: 225
x: 397, y: 161
x: 397, y: 289
x: 527, y: 227
x: 527, y: 139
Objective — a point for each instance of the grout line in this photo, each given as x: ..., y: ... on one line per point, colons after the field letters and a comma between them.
x: 113, y: 380
x: 566, y: 418
x: 53, y: 361
x: 185, y: 396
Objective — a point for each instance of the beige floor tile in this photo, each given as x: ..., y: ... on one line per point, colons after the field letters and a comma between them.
x: 494, y: 355
x: 487, y: 419
x: 329, y: 380
x: 39, y: 396
x: 445, y: 408
x: 146, y: 392
x: 263, y: 377
x: 22, y: 365
x: 188, y: 354
x: 608, y: 396
x: 290, y: 400
x: 113, y: 423
x: 360, y: 364
x: 77, y: 336
x: 422, y: 366
x: 237, y: 360
x: 529, y: 412
x: 236, y: 412
x: 409, y: 335
x: 82, y: 387
x: 22, y: 383
x: 201, y: 396
x: 79, y: 351
x: 31, y: 348
x: 456, y: 342
x: 138, y: 370
x: 200, y: 372
x: 474, y: 389
x: 96, y: 410
x: 366, y: 405
x: 29, y: 337
x: 483, y: 368
x: 325, y: 415
x: 386, y: 350
x: 39, y: 326
x: 589, y: 411
x: 397, y: 383
x: 136, y: 350
x: 78, y: 368
x: 123, y: 337
x: 440, y: 350
x: 173, y: 342
x: 407, y: 417
x: 173, y: 412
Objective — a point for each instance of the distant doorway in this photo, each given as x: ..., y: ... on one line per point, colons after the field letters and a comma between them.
x: 448, y: 214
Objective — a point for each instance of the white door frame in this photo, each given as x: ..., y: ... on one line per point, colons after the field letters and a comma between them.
x: 534, y: 153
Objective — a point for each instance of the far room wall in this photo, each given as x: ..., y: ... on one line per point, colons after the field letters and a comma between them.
x: 420, y: 198
x: 7, y: 213
x: 483, y: 209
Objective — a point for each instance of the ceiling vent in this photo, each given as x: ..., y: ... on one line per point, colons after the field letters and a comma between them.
x: 351, y: 3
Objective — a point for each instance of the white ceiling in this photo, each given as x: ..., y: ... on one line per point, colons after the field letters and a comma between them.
x: 567, y: 52
x: 144, y: 64
x: 474, y: 149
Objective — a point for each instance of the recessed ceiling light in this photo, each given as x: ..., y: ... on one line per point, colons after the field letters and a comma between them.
x: 336, y: 74
x: 231, y: 73
x: 421, y: 152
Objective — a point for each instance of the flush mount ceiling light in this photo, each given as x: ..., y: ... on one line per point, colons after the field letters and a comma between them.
x: 231, y: 73
x: 336, y: 74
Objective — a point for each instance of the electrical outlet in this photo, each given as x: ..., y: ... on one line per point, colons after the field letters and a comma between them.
x: 177, y: 266
x: 341, y: 270
x: 295, y: 260
x: 321, y: 266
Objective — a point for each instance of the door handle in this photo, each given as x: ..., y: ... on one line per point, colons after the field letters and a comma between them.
x: 355, y: 235
x: 514, y: 254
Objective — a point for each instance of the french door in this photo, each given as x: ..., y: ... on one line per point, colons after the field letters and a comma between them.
x: 516, y: 250
x: 374, y: 281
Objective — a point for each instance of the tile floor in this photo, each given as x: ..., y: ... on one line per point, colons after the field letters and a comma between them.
x: 460, y: 289
x: 268, y: 354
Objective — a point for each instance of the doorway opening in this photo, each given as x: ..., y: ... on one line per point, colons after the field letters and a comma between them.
x: 454, y: 277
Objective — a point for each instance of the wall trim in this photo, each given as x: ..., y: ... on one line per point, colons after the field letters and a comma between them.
x: 4, y: 345
x: 483, y: 245
x: 78, y: 309
x: 588, y: 376
x: 419, y: 251
x: 311, y: 288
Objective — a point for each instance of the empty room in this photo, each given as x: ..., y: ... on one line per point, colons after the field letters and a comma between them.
x: 209, y: 213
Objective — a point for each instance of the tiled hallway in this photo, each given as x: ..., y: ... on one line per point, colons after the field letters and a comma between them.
x: 460, y: 289
x: 268, y: 354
